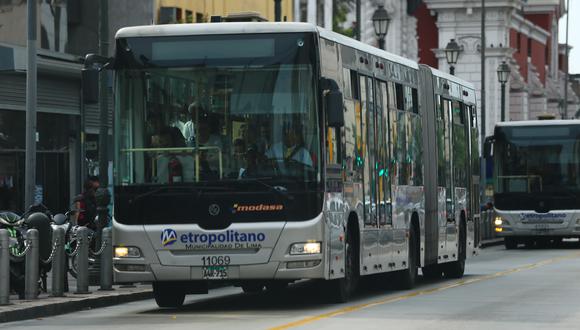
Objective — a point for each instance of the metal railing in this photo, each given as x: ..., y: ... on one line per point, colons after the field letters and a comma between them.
x: 58, y: 258
x: 487, y: 227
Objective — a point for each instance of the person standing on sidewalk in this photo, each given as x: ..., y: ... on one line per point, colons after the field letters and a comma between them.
x: 85, y: 204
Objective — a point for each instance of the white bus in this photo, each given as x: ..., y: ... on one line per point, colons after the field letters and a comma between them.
x: 537, y: 181
x: 265, y: 153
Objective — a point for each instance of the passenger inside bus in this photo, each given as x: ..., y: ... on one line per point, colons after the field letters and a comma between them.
x: 189, y: 129
x: 171, y: 166
x: 211, y: 145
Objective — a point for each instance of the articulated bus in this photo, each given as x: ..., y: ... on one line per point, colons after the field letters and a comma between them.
x: 537, y: 181
x: 266, y: 153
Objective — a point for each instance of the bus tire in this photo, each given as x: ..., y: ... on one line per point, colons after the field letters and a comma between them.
x: 340, y: 290
x: 405, y: 279
x: 456, y: 269
x: 510, y: 243
x: 432, y: 272
x: 168, y: 296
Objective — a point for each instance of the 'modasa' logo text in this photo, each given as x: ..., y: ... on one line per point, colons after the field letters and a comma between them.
x: 168, y: 237
x: 257, y: 208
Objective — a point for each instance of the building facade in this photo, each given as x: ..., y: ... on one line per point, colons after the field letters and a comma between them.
x: 200, y: 11
x: 67, y: 130
x: 522, y: 33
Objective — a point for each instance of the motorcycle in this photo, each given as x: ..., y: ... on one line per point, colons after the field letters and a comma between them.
x: 17, y: 227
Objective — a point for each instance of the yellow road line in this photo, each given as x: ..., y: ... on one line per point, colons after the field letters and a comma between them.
x: 459, y: 283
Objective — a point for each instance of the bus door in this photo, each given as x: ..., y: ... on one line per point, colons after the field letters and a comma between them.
x: 385, y: 216
x: 445, y: 207
x: 369, y: 236
x: 461, y: 169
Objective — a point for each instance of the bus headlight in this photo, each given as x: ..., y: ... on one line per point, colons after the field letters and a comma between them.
x: 305, y: 248
x: 498, y: 221
x: 127, y: 252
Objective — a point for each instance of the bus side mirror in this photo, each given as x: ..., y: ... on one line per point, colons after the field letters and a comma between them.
x: 334, y: 108
x: 90, y: 85
x: 488, y: 147
x: 90, y: 76
x: 333, y: 102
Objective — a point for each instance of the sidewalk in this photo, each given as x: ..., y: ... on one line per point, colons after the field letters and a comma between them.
x: 49, y: 306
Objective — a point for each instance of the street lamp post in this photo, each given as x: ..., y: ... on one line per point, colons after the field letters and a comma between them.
x: 381, y: 20
x: 503, y: 74
x: 452, y: 51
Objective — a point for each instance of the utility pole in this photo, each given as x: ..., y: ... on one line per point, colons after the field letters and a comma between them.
x: 358, y: 21
x: 30, y: 162
x: 565, y: 112
x: 483, y: 178
x: 277, y: 10
x: 103, y: 96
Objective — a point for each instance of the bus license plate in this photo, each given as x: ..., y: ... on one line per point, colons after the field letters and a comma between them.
x: 215, y: 272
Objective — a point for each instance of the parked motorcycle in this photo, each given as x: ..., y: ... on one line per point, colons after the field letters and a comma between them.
x: 17, y: 227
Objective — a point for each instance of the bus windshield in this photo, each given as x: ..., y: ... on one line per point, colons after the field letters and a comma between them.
x: 216, y: 111
x: 542, y: 162
x: 249, y: 112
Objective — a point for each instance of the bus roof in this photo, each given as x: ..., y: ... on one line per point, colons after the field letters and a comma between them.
x: 253, y: 27
x: 553, y: 122
x: 337, y: 37
x: 213, y: 28
x: 271, y: 27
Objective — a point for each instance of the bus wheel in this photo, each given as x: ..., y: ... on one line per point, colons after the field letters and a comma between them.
x: 432, y: 272
x: 510, y: 243
x: 252, y: 287
x: 341, y: 289
x: 405, y: 279
x: 167, y: 295
x: 456, y: 269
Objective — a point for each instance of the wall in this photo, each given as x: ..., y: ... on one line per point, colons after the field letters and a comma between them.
x: 539, y: 59
x: 428, y: 36
x: 521, y: 55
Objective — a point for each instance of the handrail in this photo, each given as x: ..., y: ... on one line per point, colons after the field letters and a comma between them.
x: 528, y: 177
x: 182, y: 149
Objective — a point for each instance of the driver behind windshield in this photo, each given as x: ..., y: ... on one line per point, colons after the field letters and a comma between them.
x: 291, y: 148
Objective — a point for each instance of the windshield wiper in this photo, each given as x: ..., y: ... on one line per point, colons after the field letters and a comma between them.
x: 280, y: 190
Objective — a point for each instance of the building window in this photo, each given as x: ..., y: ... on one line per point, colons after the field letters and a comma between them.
x: 188, y: 16
x: 529, y: 47
x: 303, y: 11
x: 519, y: 42
x: 199, y: 18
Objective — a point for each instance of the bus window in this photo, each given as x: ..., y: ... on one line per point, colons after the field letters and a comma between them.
x: 415, y: 99
x: 385, y: 216
x: 400, y: 97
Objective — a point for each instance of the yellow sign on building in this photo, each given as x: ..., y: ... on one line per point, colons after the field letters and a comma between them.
x: 200, y: 11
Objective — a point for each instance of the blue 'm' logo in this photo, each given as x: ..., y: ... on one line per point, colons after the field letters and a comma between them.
x: 168, y: 237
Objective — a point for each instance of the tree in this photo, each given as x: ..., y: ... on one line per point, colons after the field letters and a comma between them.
x: 341, y: 9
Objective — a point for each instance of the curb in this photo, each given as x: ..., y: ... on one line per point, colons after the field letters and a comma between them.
x: 73, y: 305
x: 491, y: 242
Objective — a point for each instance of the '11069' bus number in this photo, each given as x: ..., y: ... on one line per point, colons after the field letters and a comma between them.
x: 216, y: 261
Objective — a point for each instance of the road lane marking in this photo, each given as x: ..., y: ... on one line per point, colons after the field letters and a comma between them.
x: 456, y: 284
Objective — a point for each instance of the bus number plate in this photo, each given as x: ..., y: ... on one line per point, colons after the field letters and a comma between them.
x: 215, y: 267
x: 215, y: 272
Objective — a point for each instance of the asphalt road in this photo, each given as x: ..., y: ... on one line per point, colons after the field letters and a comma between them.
x: 515, y: 289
